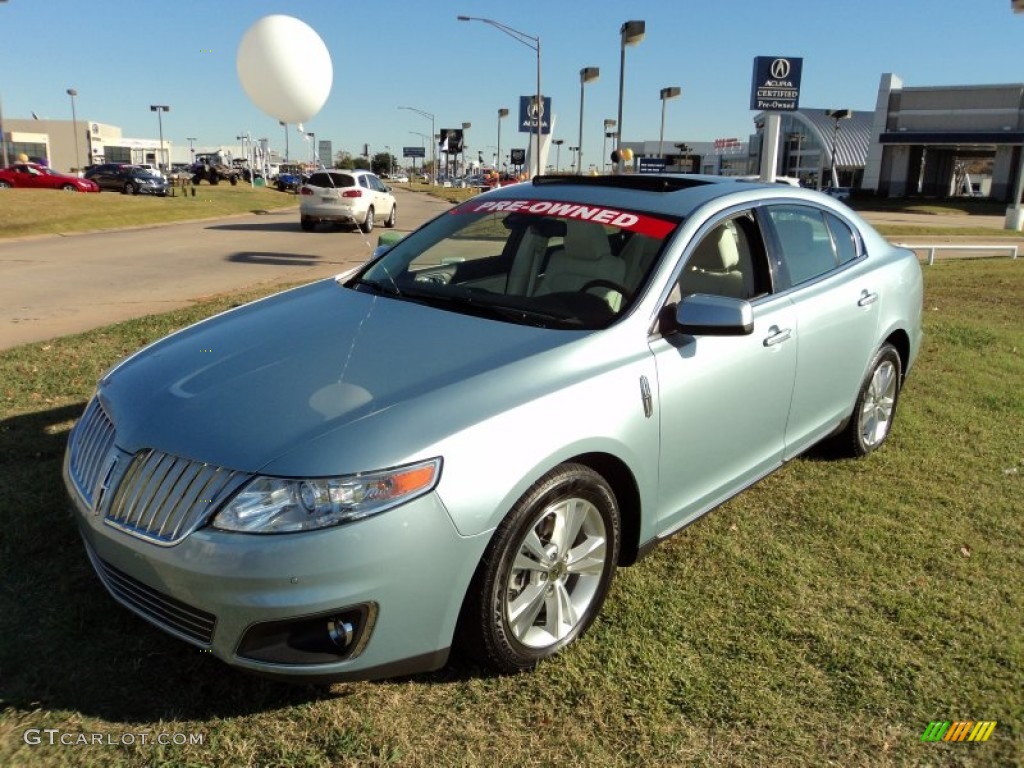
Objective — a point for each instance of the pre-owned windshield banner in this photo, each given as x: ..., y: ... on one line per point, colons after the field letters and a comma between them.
x: 651, y: 226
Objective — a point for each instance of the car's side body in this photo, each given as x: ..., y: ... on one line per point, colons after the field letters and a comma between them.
x: 704, y: 379
x: 34, y: 176
x: 129, y: 179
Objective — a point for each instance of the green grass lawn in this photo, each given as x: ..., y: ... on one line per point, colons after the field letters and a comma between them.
x: 50, y: 212
x: 822, y: 618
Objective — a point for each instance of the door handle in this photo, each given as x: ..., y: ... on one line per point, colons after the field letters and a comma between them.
x: 777, y: 336
x: 866, y: 299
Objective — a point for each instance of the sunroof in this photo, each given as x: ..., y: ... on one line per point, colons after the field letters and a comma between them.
x: 644, y: 182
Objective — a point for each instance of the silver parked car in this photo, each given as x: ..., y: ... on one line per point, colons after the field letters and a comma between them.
x: 457, y: 444
x: 353, y: 198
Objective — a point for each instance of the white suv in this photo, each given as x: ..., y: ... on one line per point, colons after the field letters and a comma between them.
x: 354, y: 198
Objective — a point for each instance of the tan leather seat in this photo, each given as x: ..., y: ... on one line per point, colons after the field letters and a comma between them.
x: 586, y: 255
x: 714, y: 267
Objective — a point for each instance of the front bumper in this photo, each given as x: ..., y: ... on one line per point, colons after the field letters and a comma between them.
x: 404, y: 572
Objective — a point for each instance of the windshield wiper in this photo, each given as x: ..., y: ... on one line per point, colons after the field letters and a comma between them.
x: 377, y: 286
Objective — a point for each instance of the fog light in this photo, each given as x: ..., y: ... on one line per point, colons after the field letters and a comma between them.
x: 341, y: 632
x: 325, y: 638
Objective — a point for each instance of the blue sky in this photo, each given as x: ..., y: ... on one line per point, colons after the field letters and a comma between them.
x: 123, y: 55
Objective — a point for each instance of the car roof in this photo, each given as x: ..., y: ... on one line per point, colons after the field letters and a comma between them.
x: 672, y: 194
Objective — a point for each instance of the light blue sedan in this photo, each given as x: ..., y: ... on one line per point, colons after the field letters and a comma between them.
x: 456, y: 445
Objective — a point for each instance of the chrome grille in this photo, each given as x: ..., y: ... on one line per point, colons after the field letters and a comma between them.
x: 88, y: 446
x: 163, y: 498
x: 173, y: 615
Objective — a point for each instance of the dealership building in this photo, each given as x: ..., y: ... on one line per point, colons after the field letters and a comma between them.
x: 935, y: 141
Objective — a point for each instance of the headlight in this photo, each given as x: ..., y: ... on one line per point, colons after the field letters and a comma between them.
x: 281, y: 505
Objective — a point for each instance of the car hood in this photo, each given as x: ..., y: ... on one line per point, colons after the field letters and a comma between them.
x: 322, y: 364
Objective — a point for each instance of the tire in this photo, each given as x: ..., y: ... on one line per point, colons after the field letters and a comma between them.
x: 307, y: 224
x: 535, y: 592
x: 68, y: 188
x: 873, y: 413
x: 392, y: 219
x: 5, y: 185
x: 367, y: 225
x: 131, y: 189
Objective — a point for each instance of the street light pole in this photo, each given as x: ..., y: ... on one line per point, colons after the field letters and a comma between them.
x: 836, y: 115
x: 558, y: 152
x: 284, y: 125
x: 666, y: 94
x: 433, y: 141
x: 608, y: 133
x: 74, y: 121
x: 587, y: 75
x: 160, y: 109
x: 465, y: 130
x: 631, y: 33
x: 502, y: 112
x: 534, y: 44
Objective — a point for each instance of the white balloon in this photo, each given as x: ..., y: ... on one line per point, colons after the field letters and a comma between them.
x: 285, y: 68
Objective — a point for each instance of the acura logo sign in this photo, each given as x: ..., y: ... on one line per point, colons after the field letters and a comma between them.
x: 780, y: 69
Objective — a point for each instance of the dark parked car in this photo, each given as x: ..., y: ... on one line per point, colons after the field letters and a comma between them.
x: 129, y: 179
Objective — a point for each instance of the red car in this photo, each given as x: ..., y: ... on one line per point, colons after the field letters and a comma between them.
x: 33, y: 176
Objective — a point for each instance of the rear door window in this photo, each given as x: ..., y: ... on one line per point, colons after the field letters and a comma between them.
x: 805, y: 241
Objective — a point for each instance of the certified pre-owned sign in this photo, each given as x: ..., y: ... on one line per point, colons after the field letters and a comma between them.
x: 776, y: 84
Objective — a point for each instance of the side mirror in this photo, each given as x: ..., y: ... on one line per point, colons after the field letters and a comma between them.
x: 704, y: 315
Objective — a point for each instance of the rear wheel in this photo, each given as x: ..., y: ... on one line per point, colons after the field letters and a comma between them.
x: 308, y: 224
x: 367, y: 225
x: 875, y: 409
x: 546, y: 573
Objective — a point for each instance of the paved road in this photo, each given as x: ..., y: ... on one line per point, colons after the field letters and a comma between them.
x: 52, y: 286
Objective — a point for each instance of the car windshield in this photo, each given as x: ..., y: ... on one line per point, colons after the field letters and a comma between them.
x: 536, y: 262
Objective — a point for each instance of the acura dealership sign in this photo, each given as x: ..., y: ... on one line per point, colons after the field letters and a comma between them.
x: 776, y: 84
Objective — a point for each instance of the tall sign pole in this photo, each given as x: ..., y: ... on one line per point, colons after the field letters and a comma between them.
x: 774, y: 88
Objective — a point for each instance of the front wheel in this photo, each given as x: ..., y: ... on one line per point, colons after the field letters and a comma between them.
x: 308, y: 224
x: 131, y: 189
x: 69, y: 187
x: 545, y: 575
x: 875, y: 409
x: 367, y: 225
x: 392, y: 219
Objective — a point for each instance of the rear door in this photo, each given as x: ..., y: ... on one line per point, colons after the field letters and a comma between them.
x: 835, y: 295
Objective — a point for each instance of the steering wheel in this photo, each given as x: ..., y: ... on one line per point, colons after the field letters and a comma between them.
x: 600, y: 282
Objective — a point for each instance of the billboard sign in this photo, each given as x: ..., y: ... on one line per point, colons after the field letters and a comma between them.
x: 651, y: 165
x: 517, y: 156
x: 775, y: 86
x: 528, y: 114
x: 414, y: 152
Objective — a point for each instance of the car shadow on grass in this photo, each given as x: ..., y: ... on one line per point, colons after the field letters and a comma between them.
x: 67, y: 646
